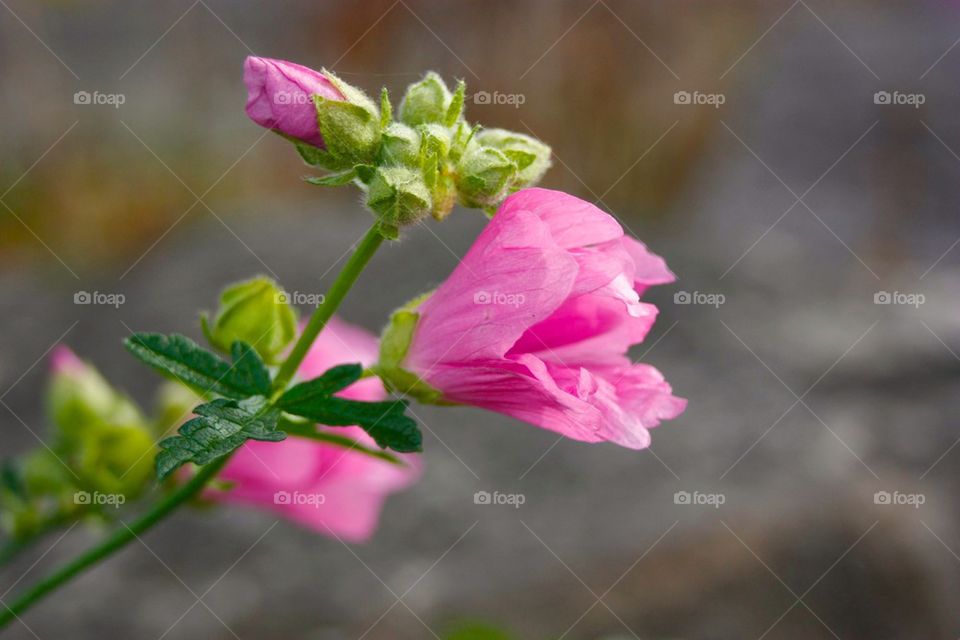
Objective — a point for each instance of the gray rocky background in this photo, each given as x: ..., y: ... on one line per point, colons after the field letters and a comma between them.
x: 806, y: 397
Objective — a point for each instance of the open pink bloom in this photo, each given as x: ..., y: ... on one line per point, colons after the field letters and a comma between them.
x: 325, y: 487
x: 536, y: 321
x: 280, y: 97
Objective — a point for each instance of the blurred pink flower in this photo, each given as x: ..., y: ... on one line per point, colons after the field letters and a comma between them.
x: 324, y: 487
x: 279, y: 97
x: 536, y: 321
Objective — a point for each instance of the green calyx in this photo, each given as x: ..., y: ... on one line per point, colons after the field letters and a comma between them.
x: 394, y: 345
x: 423, y: 161
x: 256, y: 312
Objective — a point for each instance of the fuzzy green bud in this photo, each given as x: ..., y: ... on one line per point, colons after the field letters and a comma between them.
x: 531, y: 156
x: 426, y: 101
x: 256, y: 312
x: 351, y: 128
x: 401, y: 145
x: 399, y: 196
x: 484, y: 176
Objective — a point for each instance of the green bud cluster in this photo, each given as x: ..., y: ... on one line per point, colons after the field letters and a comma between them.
x: 423, y: 160
x: 99, y: 456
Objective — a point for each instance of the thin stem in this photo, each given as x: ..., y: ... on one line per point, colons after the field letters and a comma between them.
x: 338, y: 290
x: 116, y: 541
x: 121, y: 537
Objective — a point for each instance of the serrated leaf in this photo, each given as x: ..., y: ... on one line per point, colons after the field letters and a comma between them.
x: 323, y: 386
x: 333, y: 180
x: 188, y: 362
x: 386, y: 422
x: 249, y: 369
x: 220, y: 427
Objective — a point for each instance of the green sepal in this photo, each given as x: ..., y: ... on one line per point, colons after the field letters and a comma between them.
x: 333, y: 179
x: 394, y: 345
x: 386, y: 109
x: 351, y: 132
x: 455, y: 110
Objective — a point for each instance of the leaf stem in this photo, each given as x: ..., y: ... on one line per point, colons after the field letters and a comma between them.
x: 338, y: 290
x: 116, y: 541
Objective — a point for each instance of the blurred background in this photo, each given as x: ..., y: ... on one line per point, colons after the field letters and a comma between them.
x: 797, y: 165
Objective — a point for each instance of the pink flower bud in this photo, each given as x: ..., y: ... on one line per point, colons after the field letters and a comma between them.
x: 280, y: 97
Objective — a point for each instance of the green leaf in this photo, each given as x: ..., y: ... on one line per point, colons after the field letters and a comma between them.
x: 323, y: 386
x: 309, y: 431
x: 333, y: 180
x: 220, y: 427
x: 248, y: 368
x: 188, y: 362
x: 386, y: 422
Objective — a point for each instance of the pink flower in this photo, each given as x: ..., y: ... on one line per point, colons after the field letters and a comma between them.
x: 536, y: 321
x: 324, y: 487
x: 280, y: 97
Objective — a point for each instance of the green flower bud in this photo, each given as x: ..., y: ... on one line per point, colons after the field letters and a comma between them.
x: 256, y: 312
x: 531, y: 156
x: 399, y: 196
x: 102, y: 435
x: 426, y: 101
x: 351, y: 128
x: 436, y: 139
x: 401, y: 145
x: 484, y: 176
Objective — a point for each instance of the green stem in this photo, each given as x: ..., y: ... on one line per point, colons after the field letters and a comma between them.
x: 338, y: 290
x: 116, y: 541
x: 347, y: 277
